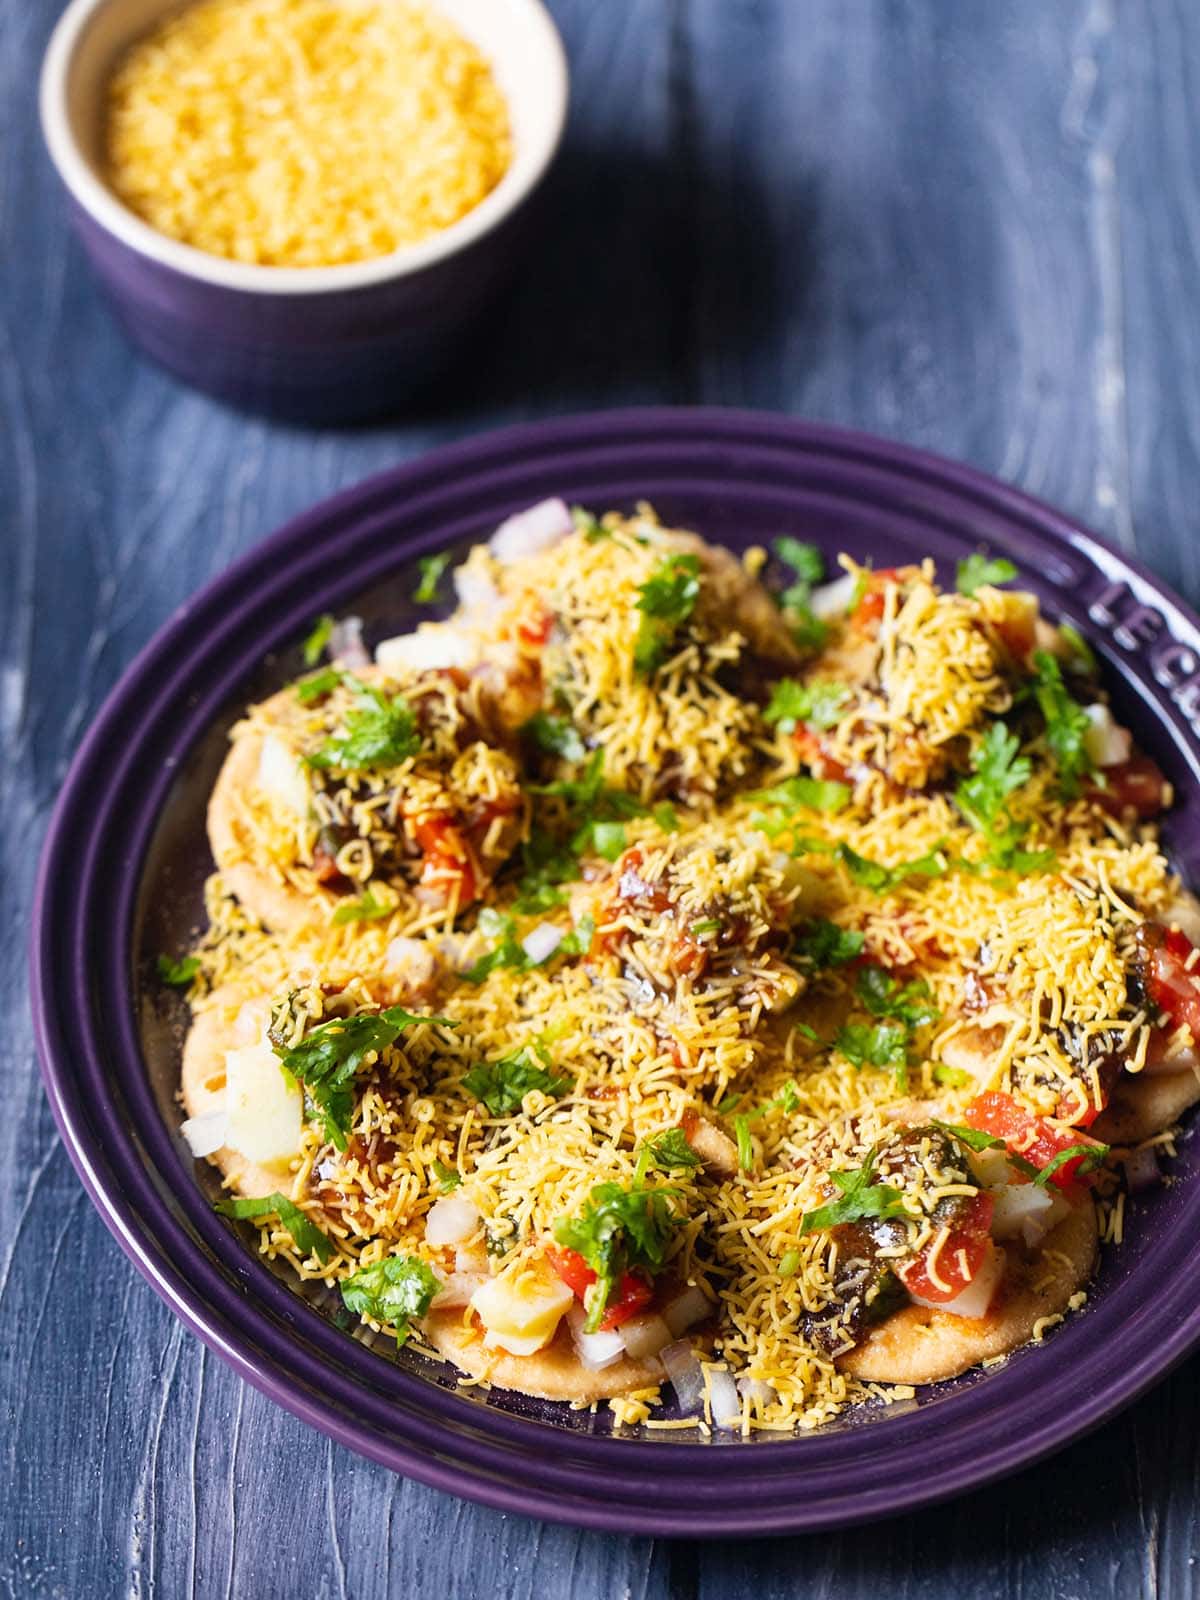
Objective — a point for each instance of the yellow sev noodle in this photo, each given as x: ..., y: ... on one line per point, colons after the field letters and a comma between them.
x: 304, y: 133
x: 1051, y: 945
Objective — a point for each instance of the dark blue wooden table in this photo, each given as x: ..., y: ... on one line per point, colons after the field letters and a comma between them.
x: 974, y: 226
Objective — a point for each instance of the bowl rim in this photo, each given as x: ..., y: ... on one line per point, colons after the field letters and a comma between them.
x: 98, y: 201
x: 508, y: 1461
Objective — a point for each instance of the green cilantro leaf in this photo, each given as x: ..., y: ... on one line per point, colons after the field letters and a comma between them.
x: 502, y: 1085
x: 818, y: 794
x: 329, y: 1057
x: 557, y: 736
x: 618, y: 1229
x: 822, y: 944
x: 1067, y: 724
x: 393, y: 1291
x: 507, y: 950
x: 608, y: 839
x: 872, y: 875
x: 978, y: 569
x: 366, y: 909
x: 1093, y: 1155
x: 317, y: 685
x: 590, y: 804
x: 950, y: 1077
x: 178, y: 974
x: 998, y: 771
x: 666, y: 601
x: 819, y: 703
x: 859, y: 1199
x: 380, y: 732
x: 317, y: 640
x: 874, y: 1044
x: 974, y: 1138
x: 310, y: 1241
x: 806, y: 561
x: 447, y: 1178
x: 1081, y: 658
x: 667, y: 817
x: 883, y: 995
x: 579, y: 941
x: 432, y: 568
x: 592, y: 529
x: 667, y: 1151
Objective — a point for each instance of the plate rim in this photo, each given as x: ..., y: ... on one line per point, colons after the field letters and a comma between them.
x: 543, y: 440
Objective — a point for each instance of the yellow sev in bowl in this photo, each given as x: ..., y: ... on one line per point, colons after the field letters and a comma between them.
x: 304, y: 133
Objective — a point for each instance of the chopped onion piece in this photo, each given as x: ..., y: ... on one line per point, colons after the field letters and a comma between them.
x: 477, y: 593
x: 281, y: 775
x: 833, y: 599
x: 1184, y: 914
x: 450, y: 1220
x: 1142, y: 1170
x: 595, y: 1350
x: 1018, y: 1204
x: 457, y: 1290
x: 205, y: 1134
x: 1176, y: 1061
x: 991, y: 1168
x: 410, y: 960
x: 530, y: 532
x: 688, y: 1308
x: 974, y: 1300
x: 432, y: 648
x: 645, y: 1336
x: 1106, y: 742
x: 346, y: 643
x: 757, y: 1392
x: 541, y: 942
x: 686, y: 1375
x: 724, y: 1399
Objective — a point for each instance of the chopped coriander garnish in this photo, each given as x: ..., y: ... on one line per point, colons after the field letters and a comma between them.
x: 1093, y: 1157
x: 588, y: 525
x: 329, y: 1057
x: 875, y: 1044
x: 859, y: 1199
x: 1066, y: 724
x: 705, y: 925
x: 608, y: 839
x: 380, y: 732
x: 317, y: 685
x: 502, y: 1085
x: 978, y: 569
x: 507, y: 951
x: 745, y: 1146
x: 883, y: 995
x: 666, y: 816
x: 1081, y: 658
x: 365, y: 909
x: 788, y: 1263
x: 557, y: 736
x: 177, y: 973
x: 950, y: 1077
x: 447, y: 1178
x: 317, y: 640
x: 823, y: 944
x: 668, y: 1151
x: 432, y: 568
x: 873, y: 875
x: 818, y: 794
x: 808, y: 564
x: 579, y: 941
x: 974, y: 1138
x: 820, y: 704
x: 618, y: 1229
x: 787, y: 1101
x: 999, y: 771
x: 310, y: 1241
x: 666, y: 600
x: 393, y: 1291
x: 590, y: 804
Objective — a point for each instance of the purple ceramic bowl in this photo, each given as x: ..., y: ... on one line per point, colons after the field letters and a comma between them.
x: 125, y: 860
x: 313, y: 343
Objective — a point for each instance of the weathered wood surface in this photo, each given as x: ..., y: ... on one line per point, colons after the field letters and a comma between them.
x: 973, y: 226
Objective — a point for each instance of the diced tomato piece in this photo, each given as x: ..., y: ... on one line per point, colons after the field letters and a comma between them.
x: 1029, y: 1136
x: 1136, y: 785
x: 534, y: 627
x: 1173, y: 985
x: 949, y: 1262
x: 815, y: 756
x: 633, y: 1294
x: 869, y: 610
x: 447, y: 858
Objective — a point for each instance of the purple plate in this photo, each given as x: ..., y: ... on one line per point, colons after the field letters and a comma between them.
x: 121, y: 878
